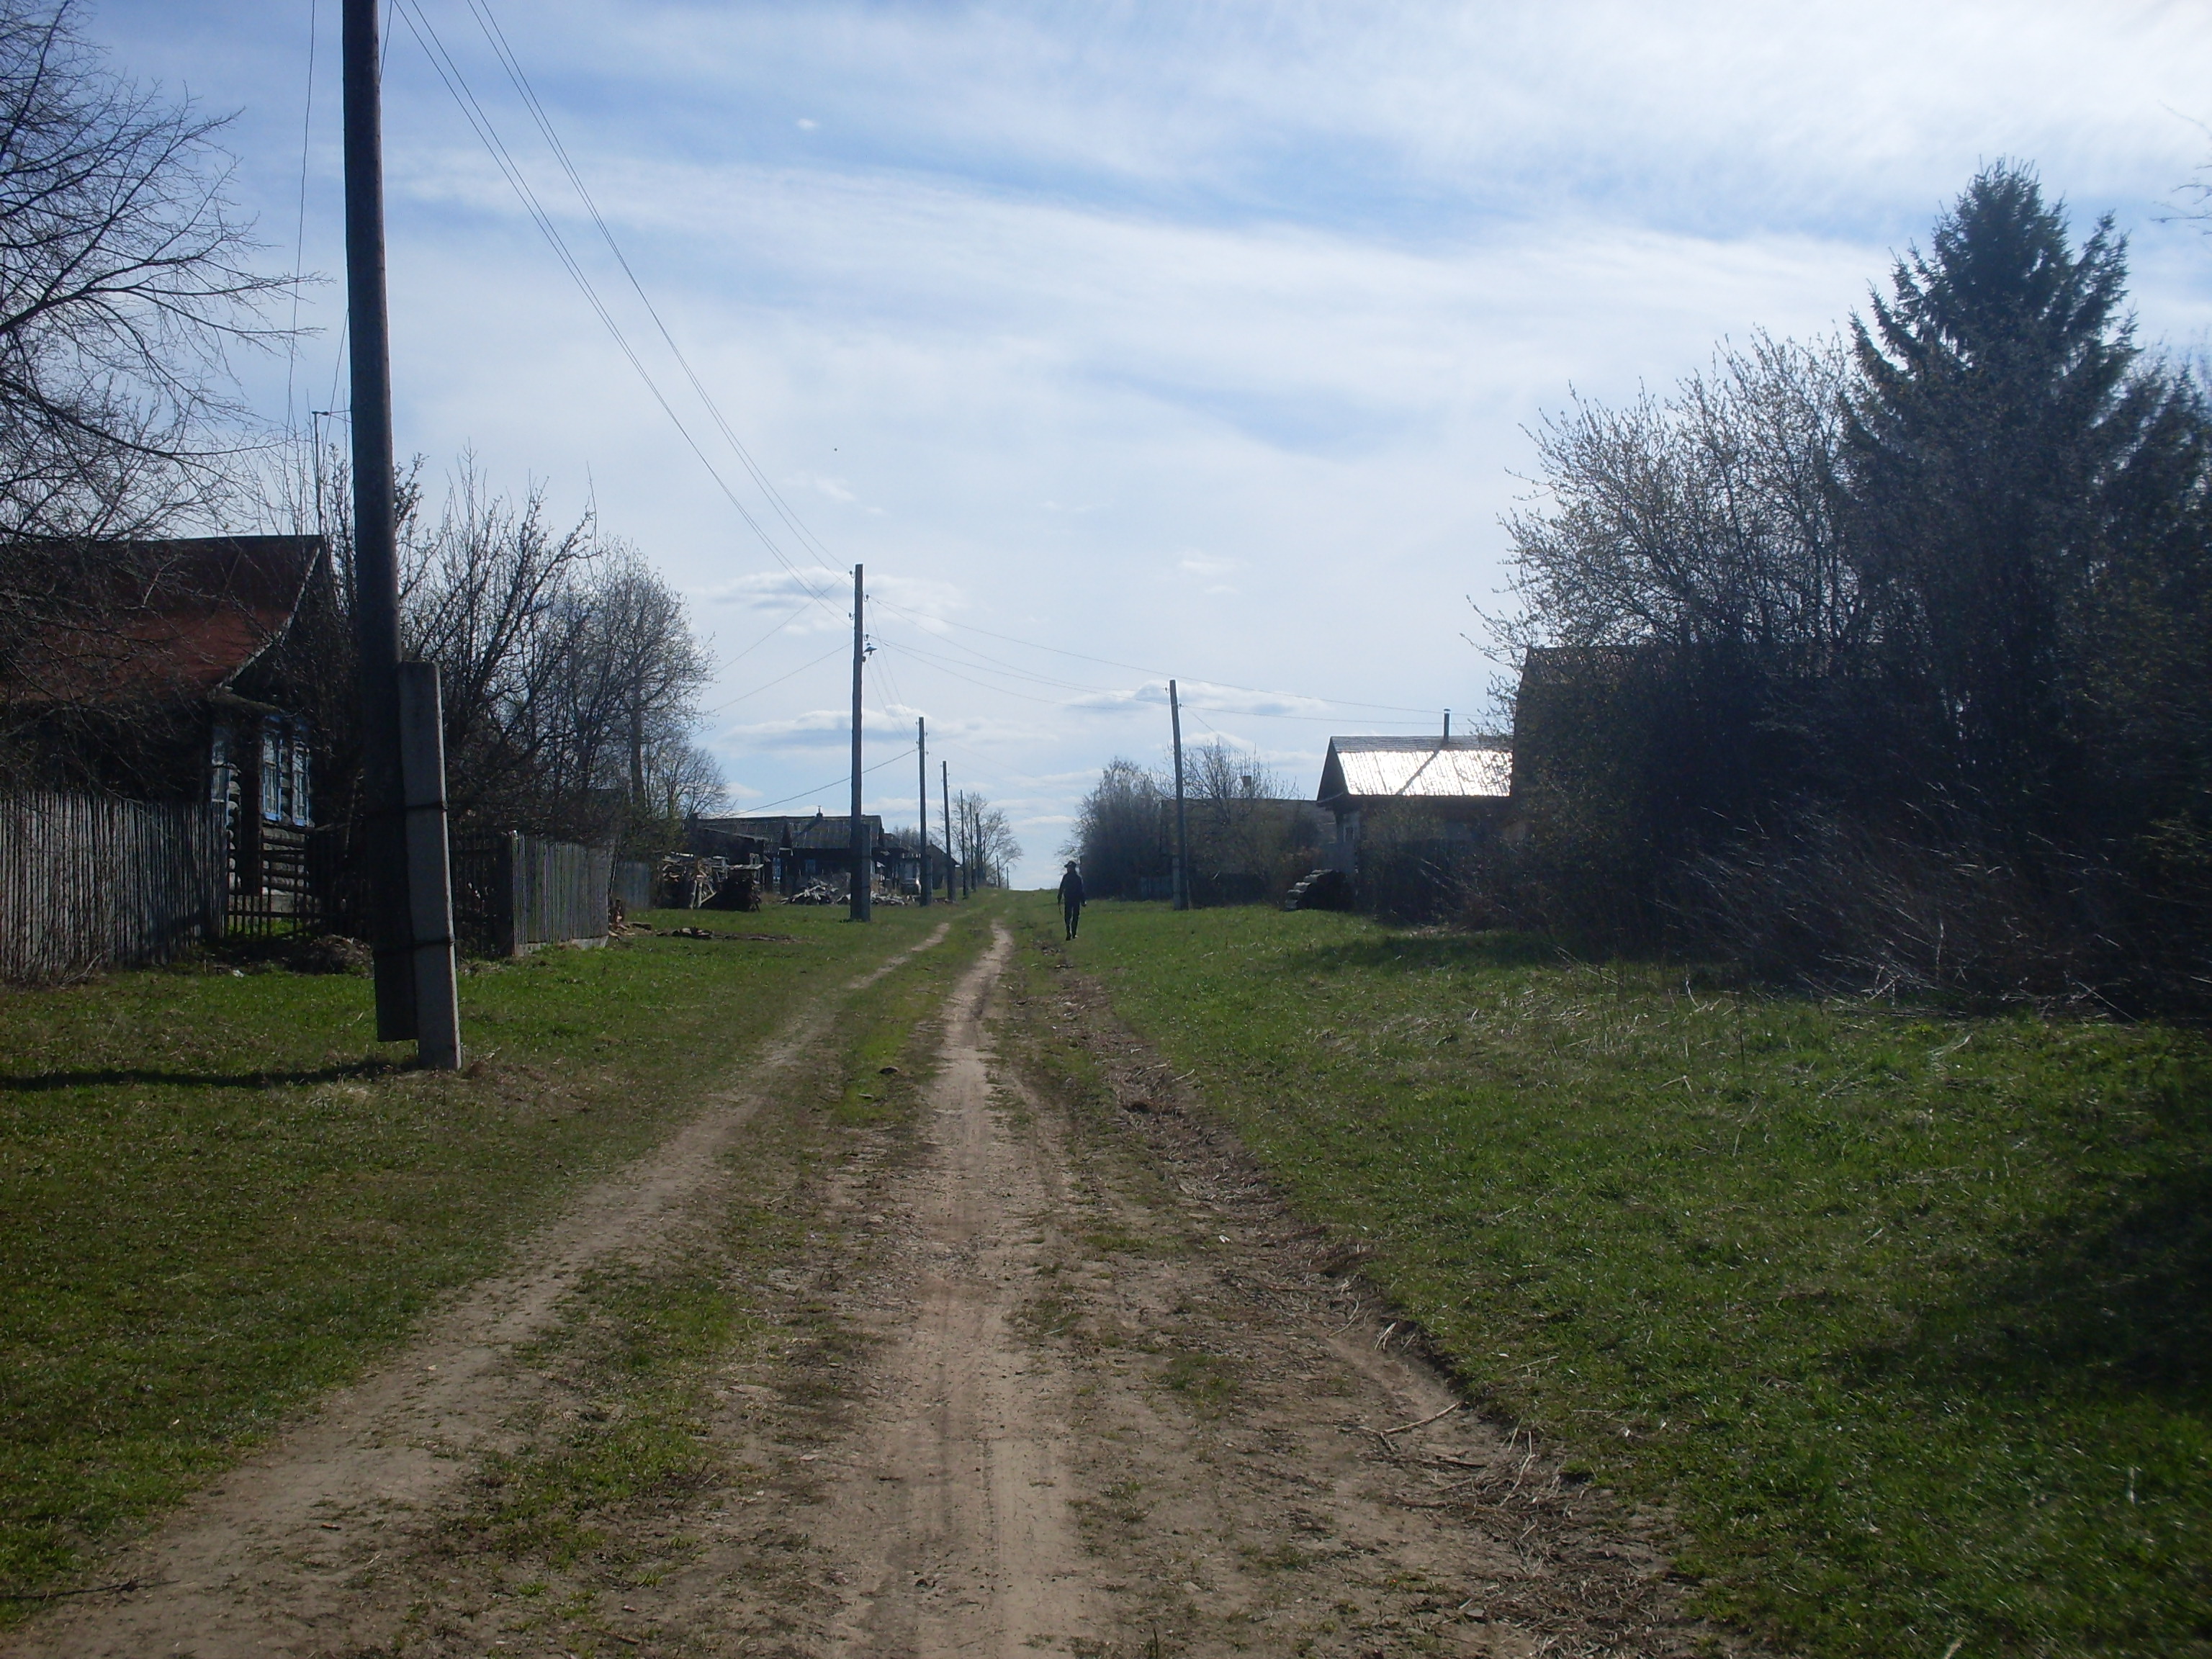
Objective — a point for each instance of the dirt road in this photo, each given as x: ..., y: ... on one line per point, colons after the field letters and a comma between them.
x: 1029, y: 1374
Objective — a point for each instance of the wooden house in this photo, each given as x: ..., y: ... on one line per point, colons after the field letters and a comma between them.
x: 203, y: 669
x: 1443, y: 788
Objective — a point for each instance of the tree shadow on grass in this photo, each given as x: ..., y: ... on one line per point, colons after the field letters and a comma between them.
x: 2118, y: 1300
x: 1424, y: 952
x: 41, y: 1082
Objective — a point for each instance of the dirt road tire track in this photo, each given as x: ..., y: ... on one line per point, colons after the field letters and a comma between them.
x: 950, y: 1516
x: 258, y: 1563
x: 1122, y: 1405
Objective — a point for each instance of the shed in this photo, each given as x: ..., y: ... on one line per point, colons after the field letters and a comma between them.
x: 801, y: 847
x: 1462, y: 785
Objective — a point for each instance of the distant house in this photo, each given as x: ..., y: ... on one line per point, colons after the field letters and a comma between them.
x: 184, y: 670
x: 798, y: 848
x: 1459, y: 788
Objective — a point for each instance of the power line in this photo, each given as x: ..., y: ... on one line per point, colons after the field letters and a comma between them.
x: 796, y: 612
x: 945, y: 667
x: 300, y: 231
x: 497, y: 38
x: 449, y: 72
x: 755, y: 812
x: 1137, y: 668
x: 834, y: 650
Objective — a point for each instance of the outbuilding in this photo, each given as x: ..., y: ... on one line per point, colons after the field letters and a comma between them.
x: 1446, y: 788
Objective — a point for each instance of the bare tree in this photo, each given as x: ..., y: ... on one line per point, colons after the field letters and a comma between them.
x: 1704, y: 518
x: 124, y: 283
x: 568, y: 666
x: 684, y: 781
x: 1246, y: 841
x: 984, y: 840
x: 480, y: 590
x: 1121, y: 830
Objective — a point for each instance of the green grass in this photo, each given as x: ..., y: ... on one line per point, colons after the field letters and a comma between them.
x: 1906, y: 1317
x: 218, y: 1194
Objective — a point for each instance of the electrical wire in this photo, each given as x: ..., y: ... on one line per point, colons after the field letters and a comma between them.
x: 299, y: 232
x: 814, y: 789
x: 1338, y: 703
x: 449, y: 72
x: 833, y: 651
x: 497, y: 38
x: 943, y: 666
x: 995, y: 690
x: 797, y: 612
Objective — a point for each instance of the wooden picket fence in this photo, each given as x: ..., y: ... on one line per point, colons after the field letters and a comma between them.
x: 90, y: 882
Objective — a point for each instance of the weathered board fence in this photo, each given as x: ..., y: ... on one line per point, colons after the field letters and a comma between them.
x: 513, y: 891
x: 632, y: 885
x: 89, y: 882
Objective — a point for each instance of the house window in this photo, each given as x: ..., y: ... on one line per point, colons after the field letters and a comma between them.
x: 274, y: 769
x: 285, y: 749
x: 298, y: 800
x: 219, y: 773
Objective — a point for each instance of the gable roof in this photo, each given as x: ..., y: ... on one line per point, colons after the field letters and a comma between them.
x: 1417, y: 769
x: 158, y: 620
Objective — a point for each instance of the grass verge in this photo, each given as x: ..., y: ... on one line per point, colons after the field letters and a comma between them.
x: 218, y: 1194
x: 1905, y: 1315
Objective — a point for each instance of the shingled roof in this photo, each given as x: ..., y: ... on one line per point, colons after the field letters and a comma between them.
x: 1434, y: 769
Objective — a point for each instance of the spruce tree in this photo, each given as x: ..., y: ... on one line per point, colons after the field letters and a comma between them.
x: 1998, y: 406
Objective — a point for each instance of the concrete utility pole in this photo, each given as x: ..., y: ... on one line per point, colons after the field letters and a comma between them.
x: 1183, y: 839
x: 945, y: 794
x: 863, y: 854
x: 429, y: 867
x: 404, y: 816
x: 921, y: 750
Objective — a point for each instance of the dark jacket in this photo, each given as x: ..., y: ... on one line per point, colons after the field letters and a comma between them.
x: 1071, y: 892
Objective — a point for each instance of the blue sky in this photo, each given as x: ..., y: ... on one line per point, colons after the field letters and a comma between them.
x: 1195, y: 339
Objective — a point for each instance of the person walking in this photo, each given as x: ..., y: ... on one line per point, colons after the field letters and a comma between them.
x: 1071, y: 898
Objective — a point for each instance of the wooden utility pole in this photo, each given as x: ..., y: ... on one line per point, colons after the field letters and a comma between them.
x: 863, y: 854
x: 922, y: 749
x: 1182, y: 840
x: 945, y: 794
x: 414, y: 954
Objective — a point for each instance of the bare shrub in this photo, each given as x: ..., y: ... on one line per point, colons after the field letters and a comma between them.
x: 1940, y: 908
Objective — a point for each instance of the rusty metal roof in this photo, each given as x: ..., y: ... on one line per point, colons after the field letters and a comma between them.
x: 1423, y: 769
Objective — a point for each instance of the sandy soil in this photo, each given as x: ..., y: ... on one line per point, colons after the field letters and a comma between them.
x: 1060, y: 1376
